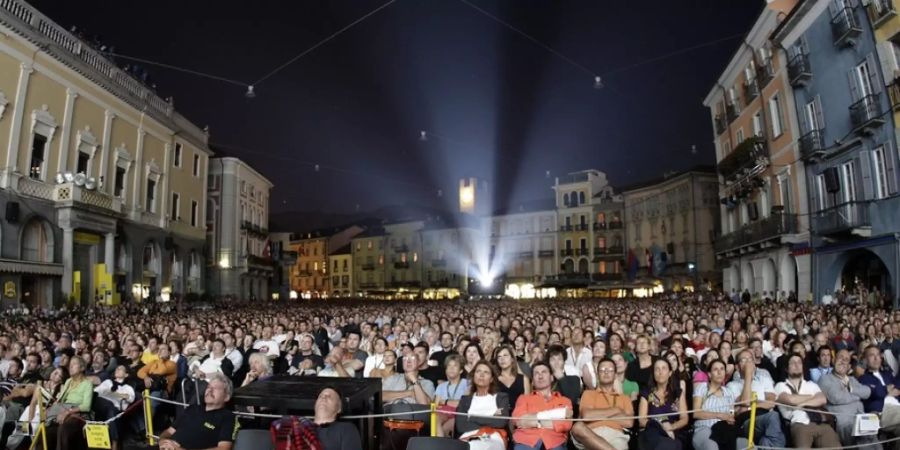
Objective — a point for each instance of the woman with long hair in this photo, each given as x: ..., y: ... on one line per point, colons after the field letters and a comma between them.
x: 663, y: 395
x: 479, y: 429
x: 726, y: 354
x: 376, y: 359
x: 713, y: 403
x: 641, y: 369
x: 511, y: 380
x: 472, y: 355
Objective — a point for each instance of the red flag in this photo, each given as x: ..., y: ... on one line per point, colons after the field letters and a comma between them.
x: 267, y: 250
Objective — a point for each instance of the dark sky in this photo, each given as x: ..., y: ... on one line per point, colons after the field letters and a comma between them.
x: 496, y: 105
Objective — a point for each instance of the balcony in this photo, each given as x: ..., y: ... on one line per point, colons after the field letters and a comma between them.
x: 845, y: 28
x: 401, y: 265
x: 405, y: 284
x: 866, y: 115
x: 368, y: 285
x: 402, y: 248
x: 812, y: 145
x: 525, y: 255
x: 744, y: 155
x: 69, y: 194
x: 766, y: 229
x: 599, y: 226
x: 545, y: 254
x: 894, y: 94
x: 565, y: 228
x: 751, y: 90
x: 732, y: 111
x: 581, y: 252
x: 259, y: 261
x: 439, y: 262
x: 846, y: 217
x: 799, y: 71
x: 720, y: 124
x: 600, y: 250
x: 764, y: 73
x: 581, y: 227
x: 368, y: 266
x: 615, y: 250
x: 246, y: 225
x: 567, y: 252
x: 615, y: 225
x: 442, y: 283
x: 880, y: 11
x: 570, y: 280
x: 606, y: 277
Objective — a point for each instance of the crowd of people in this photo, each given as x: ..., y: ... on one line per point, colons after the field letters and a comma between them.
x: 675, y: 372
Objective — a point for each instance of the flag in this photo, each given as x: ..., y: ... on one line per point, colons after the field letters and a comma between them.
x: 649, y: 258
x: 632, y: 265
x: 267, y: 250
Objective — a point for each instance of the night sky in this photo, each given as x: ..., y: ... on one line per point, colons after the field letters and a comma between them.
x: 495, y: 105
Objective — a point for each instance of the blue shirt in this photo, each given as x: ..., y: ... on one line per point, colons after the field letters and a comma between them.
x: 817, y: 372
x: 875, y: 402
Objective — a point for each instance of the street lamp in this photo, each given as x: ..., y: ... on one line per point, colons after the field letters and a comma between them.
x: 224, y: 264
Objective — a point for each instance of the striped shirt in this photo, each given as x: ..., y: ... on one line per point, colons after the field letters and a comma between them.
x: 721, y: 402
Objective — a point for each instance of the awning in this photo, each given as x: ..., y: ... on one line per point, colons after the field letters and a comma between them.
x: 30, y: 267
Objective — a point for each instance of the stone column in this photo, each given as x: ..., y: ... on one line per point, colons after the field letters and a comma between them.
x: 110, y: 252
x: 68, y: 248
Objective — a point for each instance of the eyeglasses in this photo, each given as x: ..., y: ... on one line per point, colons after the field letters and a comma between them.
x: 606, y: 370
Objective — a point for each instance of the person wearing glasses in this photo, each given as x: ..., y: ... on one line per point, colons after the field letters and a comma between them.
x: 607, y: 400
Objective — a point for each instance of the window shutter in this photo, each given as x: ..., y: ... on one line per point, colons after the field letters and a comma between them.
x: 854, y: 85
x: 804, y: 126
x: 820, y: 113
x: 890, y: 156
x: 874, y: 79
x: 888, y: 60
x: 865, y: 167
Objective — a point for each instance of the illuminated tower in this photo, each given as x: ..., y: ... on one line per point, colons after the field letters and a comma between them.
x: 473, y: 197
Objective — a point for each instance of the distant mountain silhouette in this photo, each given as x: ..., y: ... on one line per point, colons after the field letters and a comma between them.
x: 302, y: 221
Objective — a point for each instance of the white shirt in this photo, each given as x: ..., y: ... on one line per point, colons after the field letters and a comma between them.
x: 827, y: 299
x: 271, y: 345
x: 373, y: 362
x: 792, y: 414
x: 104, y: 390
x: 210, y: 366
x: 576, y: 363
x: 237, y: 359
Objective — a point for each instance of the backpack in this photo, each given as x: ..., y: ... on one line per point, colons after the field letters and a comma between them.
x: 293, y: 433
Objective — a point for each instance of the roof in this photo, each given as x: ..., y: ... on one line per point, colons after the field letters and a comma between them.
x: 345, y: 250
x: 704, y: 169
x: 529, y: 206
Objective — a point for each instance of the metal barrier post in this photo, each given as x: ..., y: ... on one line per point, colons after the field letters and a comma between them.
x: 148, y: 417
x: 434, y: 421
x: 41, y: 431
x: 752, y: 421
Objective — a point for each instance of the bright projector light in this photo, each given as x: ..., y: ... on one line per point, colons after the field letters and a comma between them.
x: 486, y: 281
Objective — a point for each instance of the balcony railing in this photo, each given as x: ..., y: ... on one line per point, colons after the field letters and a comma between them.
x: 368, y: 266
x: 567, y: 252
x: 746, y: 153
x: 615, y: 250
x: 720, y: 124
x: 606, y: 277
x: 442, y: 283
x: 812, y: 144
x: 615, y: 225
x: 751, y: 91
x: 581, y: 227
x: 894, y: 94
x: 764, y: 73
x: 581, y: 252
x: 545, y: 253
x: 799, y: 70
x: 438, y: 262
x: 598, y: 226
x: 600, y: 250
x: 732, y: 111
x: 841, y: 218
x: 761, y: 230
x: 401, y: 248
x: 565, y: 228
x: 845, y: 27
x: 880, y: 11
x: 401, y: 265
x: 866, y: 114
x: 525, y: 255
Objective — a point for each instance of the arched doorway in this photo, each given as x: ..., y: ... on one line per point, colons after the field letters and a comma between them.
x: 37, y: 245
x: 568, y: 266
x: 864, y: 269
x: 734, y: 279
x: 150, y: 271
x: 123, y: 268
x: 747, y: 280
x: 193, y: 284
x: 768, y: 276
x: 583, y: 266
x: 789, y: 275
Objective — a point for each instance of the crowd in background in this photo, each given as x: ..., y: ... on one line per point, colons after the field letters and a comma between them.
x: 539, y: 362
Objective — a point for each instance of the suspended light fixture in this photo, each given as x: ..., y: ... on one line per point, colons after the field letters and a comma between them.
x: 90, y: 183
x: 598, y: 82
x: 250, y: 93
x: 60, y: 178
x: 423, y: 135
x: 80, y: 179
x: 316, y: 168
x: 70, y: 177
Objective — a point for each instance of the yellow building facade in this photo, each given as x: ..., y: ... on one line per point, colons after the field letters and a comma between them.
x: 91, y: 157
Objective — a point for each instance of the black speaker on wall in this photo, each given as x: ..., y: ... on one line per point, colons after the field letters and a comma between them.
x: 832, y: 182
x: 753, y: 211
x: 12, y: 212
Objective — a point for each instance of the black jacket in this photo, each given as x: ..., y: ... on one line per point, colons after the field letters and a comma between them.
x: 465, y: 424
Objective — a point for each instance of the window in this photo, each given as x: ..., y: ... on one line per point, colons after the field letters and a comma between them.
x: 345, y: 265
x: 812, y: 115
x: 732, y: 97
x: 369, y: 245
x: 775, y: 115
x: 151, y: 196
x: 848, y: 171
x: 566, y: 199
x: 739, y: 135
x: 568, y: 244
x: 175, y: 201
x: 196, y: 165
x: 568, y: 221
x: 195, y: 210
x: 119, y: 187
x: 177, y: 154
x: 38, y: 147
x: 881, y: 176
x: 415, y: 256
x: 583, y: 243
x: 335, y: 265
x: 583, y: 220
x: 863, y: 80
x: 84, y: 162
x: 581, y: 197
x: 757, y: 125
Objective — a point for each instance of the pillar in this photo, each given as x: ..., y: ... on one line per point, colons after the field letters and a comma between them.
x: 68, y: 248
x: 110, y: 252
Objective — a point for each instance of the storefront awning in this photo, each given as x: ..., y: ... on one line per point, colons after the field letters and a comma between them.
x: 30, y: 267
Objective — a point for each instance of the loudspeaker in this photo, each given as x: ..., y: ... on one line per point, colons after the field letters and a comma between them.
x: 170, y: 243
x: 12, y: 212
x: 832, y: 182
x: 753, y: 211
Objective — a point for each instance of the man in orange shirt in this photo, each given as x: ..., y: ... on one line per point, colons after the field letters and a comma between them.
x: 163, y: 371
x: 604, y: 402
x: 536, y: 416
